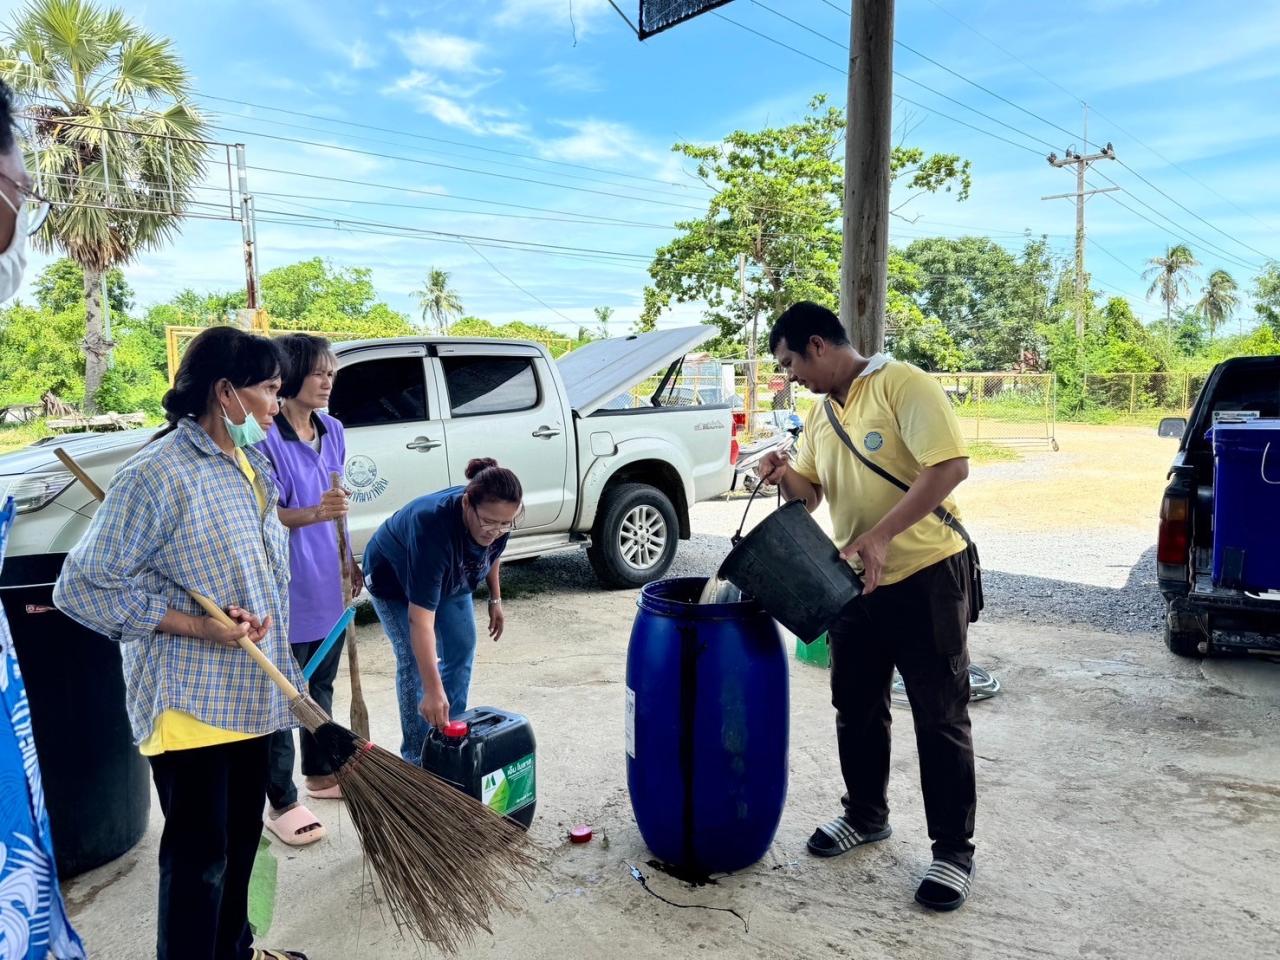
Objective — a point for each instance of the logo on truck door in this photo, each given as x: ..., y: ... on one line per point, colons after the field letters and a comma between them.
x: 363, y: 479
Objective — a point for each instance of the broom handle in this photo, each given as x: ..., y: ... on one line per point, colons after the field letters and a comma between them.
x: 340, y: 525
x: 209, y: 607
x: 359, y: 710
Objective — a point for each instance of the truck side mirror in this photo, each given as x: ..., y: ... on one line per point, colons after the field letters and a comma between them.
x: 1173, y: 427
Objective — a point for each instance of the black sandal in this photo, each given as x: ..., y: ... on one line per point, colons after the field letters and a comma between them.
x: 260, y: 954
x: 838, y: 836
x: 945, y: 886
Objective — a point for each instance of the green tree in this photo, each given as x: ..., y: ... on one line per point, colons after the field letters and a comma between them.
x: 555, y: 342
x: 115, y: 142
x: 991, y: 302
x: 1169, y: 276
x: 1218, y: 300
x: 439, y: 302
x: 1266, y: 296
x: 40, y: 351
x: 312, y: 295
x: 61, y: 285
x: 602, y: 315
x: 775, y: 211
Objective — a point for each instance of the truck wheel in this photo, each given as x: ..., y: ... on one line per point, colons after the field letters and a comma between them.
x: 634, y: 540
x: 1185, y: 643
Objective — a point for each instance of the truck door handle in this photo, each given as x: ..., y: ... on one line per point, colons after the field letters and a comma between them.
x: 546, y: 433
x: 422, y: 444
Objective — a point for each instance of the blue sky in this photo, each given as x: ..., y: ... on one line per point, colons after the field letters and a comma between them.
x: 1185, y: 90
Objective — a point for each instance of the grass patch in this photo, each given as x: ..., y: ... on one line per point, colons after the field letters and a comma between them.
x: 983, y: 451
x: 15, y: 436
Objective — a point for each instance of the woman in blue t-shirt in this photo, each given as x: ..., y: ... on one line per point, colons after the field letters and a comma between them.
x: 421, y: 568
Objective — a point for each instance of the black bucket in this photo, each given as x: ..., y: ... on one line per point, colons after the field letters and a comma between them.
x: 794, y: 570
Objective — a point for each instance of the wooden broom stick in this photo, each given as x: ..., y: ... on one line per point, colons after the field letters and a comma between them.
x: 359, y: 710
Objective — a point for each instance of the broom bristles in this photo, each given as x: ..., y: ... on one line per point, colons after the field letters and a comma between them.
x: 445, y: 860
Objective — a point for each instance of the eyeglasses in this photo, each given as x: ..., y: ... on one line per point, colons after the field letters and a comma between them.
x: 28, y: 195
x: 497, y: 526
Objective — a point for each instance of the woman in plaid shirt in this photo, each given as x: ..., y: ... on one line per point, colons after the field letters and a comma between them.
x: 196, y: 509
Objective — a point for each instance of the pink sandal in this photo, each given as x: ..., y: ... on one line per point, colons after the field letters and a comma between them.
x: 326, y: 793
x: 297, y: 827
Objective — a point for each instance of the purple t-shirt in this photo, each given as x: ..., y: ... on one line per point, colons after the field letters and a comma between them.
x: 302, y: 476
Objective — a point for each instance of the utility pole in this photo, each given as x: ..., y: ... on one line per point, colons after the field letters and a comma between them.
x: 751, y: 342
x: 864, y: 260
x: 1081, y: 162
x: 248, y: 231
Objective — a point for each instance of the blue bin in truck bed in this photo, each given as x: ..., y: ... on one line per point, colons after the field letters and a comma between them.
x: 1246, y: 505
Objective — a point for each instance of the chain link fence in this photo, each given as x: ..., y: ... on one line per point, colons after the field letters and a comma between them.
x: 1003, y: 408
x: 1139, y: 397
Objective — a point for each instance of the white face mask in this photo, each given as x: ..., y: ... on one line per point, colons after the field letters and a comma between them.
x: 13, y: 262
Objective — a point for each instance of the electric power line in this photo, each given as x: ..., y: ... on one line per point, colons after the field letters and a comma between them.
x: 914, y: 103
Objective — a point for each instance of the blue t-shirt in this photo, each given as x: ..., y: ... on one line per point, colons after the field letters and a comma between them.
x: 422, y: 554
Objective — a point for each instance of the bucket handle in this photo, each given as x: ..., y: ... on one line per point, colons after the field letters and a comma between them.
x: 737, y: 537
x: 1262, y: 470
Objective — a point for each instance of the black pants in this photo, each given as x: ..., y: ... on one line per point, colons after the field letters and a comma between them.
x: 281, y: 791
x: 212, y: 803
x: 919, y: 625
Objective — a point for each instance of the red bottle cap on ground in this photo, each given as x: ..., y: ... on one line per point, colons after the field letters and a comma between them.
x: 580, y: 834
x: 456, y: 729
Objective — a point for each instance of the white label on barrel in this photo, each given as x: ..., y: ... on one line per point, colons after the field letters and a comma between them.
x: 631, y: 723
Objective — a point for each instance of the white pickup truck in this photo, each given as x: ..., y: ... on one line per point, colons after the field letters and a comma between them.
x: 619, y: 482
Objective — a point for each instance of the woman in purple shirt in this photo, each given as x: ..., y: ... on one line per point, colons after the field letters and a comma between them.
x: 306, y: 447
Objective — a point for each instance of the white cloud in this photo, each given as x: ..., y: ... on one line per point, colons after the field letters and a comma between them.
x: 572, y: 78
x: 596, y: 140
x: 552, y: 14
x: 360, y: 56
x: 352, y: 163
x: 441, y: 51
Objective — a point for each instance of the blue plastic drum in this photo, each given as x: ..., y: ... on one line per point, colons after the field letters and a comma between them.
x: 706, y: 728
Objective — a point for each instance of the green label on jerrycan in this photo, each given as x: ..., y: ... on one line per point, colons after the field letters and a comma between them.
x: 508, y: 789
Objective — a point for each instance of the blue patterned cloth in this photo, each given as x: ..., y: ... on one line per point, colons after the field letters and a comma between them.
x: 180, y: 515
x: 33, y: 919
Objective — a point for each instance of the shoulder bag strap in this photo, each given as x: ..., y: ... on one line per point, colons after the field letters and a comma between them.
x: 939, y: 512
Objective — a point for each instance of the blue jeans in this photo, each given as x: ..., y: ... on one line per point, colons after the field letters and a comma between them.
x: 456, y: 650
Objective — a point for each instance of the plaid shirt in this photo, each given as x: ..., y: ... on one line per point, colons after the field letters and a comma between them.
x: 181, y: 515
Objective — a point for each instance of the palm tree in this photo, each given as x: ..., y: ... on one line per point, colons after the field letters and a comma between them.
x: 1170, y: 274
x: 1219, y: 300
x: 113, y: 142
x: 437, y: 300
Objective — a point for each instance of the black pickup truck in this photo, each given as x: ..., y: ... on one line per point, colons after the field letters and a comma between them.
x: 1203, y: 618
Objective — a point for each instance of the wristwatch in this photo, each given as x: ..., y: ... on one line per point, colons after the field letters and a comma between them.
x: 495, y: 603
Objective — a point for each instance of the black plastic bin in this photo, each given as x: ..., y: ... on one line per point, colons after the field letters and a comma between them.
x: 97, y: 786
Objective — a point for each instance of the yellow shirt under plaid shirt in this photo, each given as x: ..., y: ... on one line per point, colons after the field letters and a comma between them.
x: 182, y: 515
x: 900, y: 419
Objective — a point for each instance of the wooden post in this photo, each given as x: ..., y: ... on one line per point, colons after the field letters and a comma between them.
x: 869, y: 120
x: 1133, y: 394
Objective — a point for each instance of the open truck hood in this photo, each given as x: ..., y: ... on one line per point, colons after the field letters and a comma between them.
x: 595, y: 374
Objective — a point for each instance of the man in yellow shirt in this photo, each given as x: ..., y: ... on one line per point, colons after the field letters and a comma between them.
x: 914, y: 610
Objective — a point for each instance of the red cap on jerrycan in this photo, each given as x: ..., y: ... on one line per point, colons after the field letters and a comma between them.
x: 455, y: 729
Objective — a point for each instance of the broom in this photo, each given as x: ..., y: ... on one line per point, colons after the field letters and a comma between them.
x: 359, y: 711
x: 444, y: 859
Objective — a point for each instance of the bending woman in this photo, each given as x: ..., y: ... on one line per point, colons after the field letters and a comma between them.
x: 196, y: 509
x: 421, y: 568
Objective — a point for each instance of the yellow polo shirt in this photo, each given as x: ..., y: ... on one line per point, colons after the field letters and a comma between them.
x: 900, y: 420
x: 177, y: 729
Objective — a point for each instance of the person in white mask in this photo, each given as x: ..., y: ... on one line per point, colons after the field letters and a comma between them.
x: 34, y: 925
x: 22, y: 210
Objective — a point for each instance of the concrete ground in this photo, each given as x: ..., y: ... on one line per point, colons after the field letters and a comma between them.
x: 1129, y: 800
